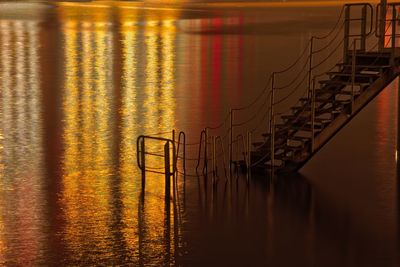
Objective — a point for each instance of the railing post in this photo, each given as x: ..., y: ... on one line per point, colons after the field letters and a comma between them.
x: 143, y: 157
x: 382, y: 25
x: 248, y: 155
x: 346, y: 33
x: 230, y: 141
x: 272, y: 143
x: 174, y: 155
x: 184, y: 152
x: 167, y: 166
x: 214, y: 161
x: 313, y: 116
x: 392, y: 56
x: 206, y: 152
x: 310, y: 66
x: 272, y: 124
x: 363, y: 27
x: 353, y: 74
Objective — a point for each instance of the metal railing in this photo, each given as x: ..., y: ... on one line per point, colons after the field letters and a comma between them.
x: 318, y: 57
x: 170, y: 168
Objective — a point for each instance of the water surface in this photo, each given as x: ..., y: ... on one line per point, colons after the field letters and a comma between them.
x: 79, y: 84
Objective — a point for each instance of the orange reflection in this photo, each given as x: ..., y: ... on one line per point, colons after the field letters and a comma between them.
x: 130, y: 129
x: 149, y: 111
x: 21, y: 159
x: 147, y: 105
x: 87, y: 133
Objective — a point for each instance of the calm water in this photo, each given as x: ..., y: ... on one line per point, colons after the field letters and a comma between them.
x: 79, y: 84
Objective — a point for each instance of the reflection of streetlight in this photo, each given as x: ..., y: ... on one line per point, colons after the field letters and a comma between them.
x: 20, y: 148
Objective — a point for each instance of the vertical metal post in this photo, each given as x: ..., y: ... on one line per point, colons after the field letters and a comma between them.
x: 382, y: 25
x: 313, y: 116
x: 143, y: 156
x: 206, y: 152
x: 248, y: 155
x: 273, y: 143
x: 310, y: 66
x: 393, y: 35
x: 272, y: 124
x: 346, y: 33
x: 184, y: 152
x: 353, y: 74
x: 214, y: 161
x: 230, y: 141
x: 167, y: 166
x: 363, y: 27
x: 398, y: 128
x: 174, y: 154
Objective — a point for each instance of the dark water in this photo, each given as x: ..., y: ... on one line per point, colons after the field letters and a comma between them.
x: 79, y: 84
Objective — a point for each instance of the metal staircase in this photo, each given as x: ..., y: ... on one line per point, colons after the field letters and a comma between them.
x: 334, y: 97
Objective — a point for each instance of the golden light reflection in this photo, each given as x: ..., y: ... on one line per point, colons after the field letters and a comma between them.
x: 87, y: 135
x: 129, y: 127
x: 147, y: 106
x: 146, y: 111
x: 21, y: 159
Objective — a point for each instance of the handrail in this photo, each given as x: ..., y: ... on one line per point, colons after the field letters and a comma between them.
x: 265, y: 89
x: 366, y: 16
x: 378, y: 7
x: 140, y: 147
x: 371, y: 8
x: 333, y: 28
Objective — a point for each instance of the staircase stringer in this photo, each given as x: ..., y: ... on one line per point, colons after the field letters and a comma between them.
x: 345, y: 118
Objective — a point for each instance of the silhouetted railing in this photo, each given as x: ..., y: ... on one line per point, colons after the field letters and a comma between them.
x: 314, y: 62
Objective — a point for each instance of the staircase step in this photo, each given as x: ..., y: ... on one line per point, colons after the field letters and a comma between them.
x: 365, y: 66
x: 300, y: 138
x: 342, y: 82
x: 295, y: 117
x: 349, y: 74
x: 317, y: 99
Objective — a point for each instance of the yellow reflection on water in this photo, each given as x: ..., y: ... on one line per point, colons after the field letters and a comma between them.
x: 21, y: 160
x: 129, y: 126
x: 87, y: 137
x: 146, y: 106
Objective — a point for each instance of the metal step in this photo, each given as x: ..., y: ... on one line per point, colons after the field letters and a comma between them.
x: 360, y: 66
x: 349, y: 74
